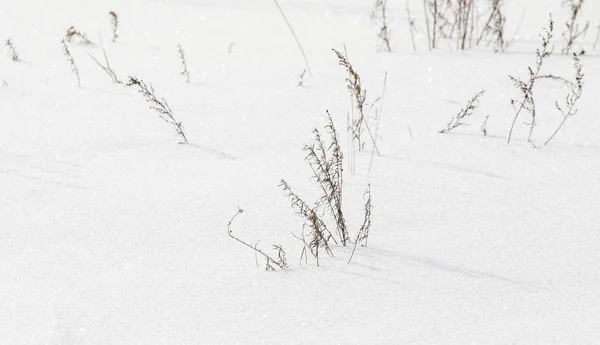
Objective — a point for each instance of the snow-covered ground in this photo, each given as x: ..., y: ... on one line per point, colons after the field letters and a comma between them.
x: 113, y: 233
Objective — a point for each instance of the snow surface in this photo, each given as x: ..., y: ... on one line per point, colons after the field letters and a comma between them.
x: 112, y: 233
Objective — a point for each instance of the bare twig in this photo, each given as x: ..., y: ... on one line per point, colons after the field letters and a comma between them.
x: 363, y: 233
x: 269, y: 259
x: 184, y: 72
x: 293, y: 34
x: 571, y: 98
x: 467, y: 111
x: 71, y: 60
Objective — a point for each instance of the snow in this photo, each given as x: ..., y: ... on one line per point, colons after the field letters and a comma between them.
x: 113, y: 233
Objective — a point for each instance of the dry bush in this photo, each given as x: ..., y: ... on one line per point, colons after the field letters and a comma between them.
x: 159, y: 105
x: 467, y: 111
x: 325, y: 160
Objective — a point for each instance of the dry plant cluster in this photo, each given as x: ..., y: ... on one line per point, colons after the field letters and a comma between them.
x: 459, y: 23
x: 326, y: 161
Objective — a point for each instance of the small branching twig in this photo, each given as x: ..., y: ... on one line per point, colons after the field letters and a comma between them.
x: 12, y: 52
x: 363, y: 233
x: 74, y: 33
x: 573, y: 30
x: 114, y: 22
x: 380, y: 15
x: 281, y: 256
x: 159, y: 105
x: 457, y: 120
x: 483, y: 127
x: 184, y: 72
x: 571, y: 99
x: 527, y: 101
x: 281, y: 263
x: 301, y: 79
x: 71, y: 61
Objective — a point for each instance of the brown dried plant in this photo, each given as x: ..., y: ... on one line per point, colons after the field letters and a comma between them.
x: 73, y: 33
x: 159, y: 105
x: 572, y: 97
x: 527, y: 101
x: 114, y: 22
x: 71, y: 61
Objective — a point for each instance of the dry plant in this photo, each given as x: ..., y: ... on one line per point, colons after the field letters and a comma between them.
x: 280, y: 262
x: 363, y: 233
x: 71, y: 61
x: 466, y: 22
x: 184, y: 72
x: 293, y: 34
x: 411, y: 26
x: 325, y: 160
x: 379, y: 15
x: 443, y: 16
x: 467, y: 111
x: 319, y: 234
x: 12, y: 52
x: 494, y: 26
x: 327, y: 172
x: 572, y: 97
x: 527, y: 101
x: 106, y: 68
x: 483, y: 127
x: 159, y: 105
x: 301, y: 79
x: 114, y: 23
x: 573, y: 30
x: 73, y: 33
x: 357, y: 123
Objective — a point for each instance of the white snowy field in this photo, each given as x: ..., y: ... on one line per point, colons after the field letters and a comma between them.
x: 113, y: 233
